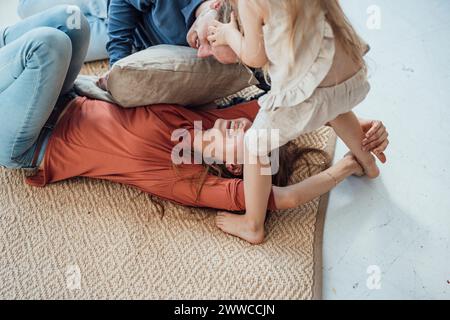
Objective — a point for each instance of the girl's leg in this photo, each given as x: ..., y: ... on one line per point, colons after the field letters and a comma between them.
x: 348, y: 128
x: 32, y: 72
x: 95, y: 12
x: 257, y: 188
x: 67, y: 19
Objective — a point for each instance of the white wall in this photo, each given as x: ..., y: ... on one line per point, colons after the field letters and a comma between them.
x: 8, y: 12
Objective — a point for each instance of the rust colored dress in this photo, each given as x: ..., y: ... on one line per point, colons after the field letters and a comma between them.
x: 99, y: 140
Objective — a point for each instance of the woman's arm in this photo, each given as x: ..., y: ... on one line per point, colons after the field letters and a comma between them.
x: 250, y: 46
x: 298, y: 194
x: 228, y: 194
x: 182, y: 185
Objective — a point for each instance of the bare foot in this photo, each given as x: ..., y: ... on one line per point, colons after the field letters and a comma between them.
x: 370, y: 167
x: 240, y: 226
x: 354, y: 165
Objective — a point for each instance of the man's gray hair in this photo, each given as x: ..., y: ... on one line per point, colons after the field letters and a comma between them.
x: 224, y: 13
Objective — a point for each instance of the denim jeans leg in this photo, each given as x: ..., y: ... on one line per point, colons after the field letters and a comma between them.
x: 99, y: 39
x: 98, y: 8
x: 68, y: 19
x: 95, y: 12
x: 32, y: 72
x: 2, y: 37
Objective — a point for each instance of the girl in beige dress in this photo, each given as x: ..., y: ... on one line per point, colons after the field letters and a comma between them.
x: 314, y: 59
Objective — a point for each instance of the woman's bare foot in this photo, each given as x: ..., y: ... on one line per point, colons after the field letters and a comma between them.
x: 240, y: 226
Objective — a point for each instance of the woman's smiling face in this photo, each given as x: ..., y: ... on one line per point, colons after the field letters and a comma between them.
x: 227, y: 144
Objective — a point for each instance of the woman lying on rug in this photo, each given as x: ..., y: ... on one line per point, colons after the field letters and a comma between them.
x: 134, y: 147
x: 89, y: 138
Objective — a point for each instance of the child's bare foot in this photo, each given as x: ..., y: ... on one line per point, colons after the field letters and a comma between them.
x: 240, y: 226
x: 370, y: 167
x: 354, y: 165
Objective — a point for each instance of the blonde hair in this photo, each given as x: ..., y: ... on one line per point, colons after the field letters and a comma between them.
x: 302, y: 15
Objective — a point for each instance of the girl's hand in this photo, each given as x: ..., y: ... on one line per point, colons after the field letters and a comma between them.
x: 219, y: 32
x: 376, y: 139
x: 102, y: 83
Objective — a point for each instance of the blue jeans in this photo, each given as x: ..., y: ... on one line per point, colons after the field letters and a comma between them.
x: 40, y: 58
x: 95, y: 12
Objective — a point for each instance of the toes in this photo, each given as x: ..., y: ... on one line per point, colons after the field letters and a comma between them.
x: 220, y: 222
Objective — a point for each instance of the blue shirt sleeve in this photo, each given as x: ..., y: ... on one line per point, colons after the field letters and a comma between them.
x: 157, y: 17
x: 123, y: 19
x: 189, y: 11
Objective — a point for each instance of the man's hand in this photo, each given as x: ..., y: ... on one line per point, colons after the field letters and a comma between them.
x: 376, y: 138
x: 102, y: 83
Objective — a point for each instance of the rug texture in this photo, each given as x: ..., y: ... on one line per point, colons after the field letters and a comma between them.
x: 88, y: 239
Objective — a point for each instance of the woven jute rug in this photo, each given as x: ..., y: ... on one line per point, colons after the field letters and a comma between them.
x: 89, y: 239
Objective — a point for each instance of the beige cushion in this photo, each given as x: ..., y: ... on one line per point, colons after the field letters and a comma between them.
x: 174, y: 75
x: 86, y: 86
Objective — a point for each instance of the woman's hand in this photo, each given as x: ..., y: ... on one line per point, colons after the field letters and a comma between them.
x: 376, y: 139
x: 102, y: 83
x: 219, y: 32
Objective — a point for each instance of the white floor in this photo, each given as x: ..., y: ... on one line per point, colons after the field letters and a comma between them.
x: 398, y: 225
x: 8, y: 13
x: 401, y: 222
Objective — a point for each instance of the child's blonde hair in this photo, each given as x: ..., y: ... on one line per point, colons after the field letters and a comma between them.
x: 302, y: 15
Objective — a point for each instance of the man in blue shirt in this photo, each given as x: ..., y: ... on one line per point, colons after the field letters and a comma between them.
x: 135, y: 25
